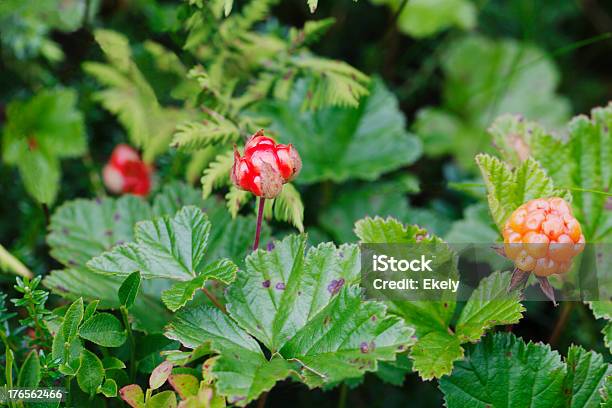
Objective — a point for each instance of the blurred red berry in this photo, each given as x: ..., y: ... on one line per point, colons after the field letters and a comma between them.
x: 125, y: 172
x: 265, y: 166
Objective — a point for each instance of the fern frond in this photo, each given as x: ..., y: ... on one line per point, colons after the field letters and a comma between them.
x: 204, y: 80
x: 311, y: 32
x: 256, y: 91
x: 332, y: 83
x: 198, y: 162
x: 236, y: 199
x: 133, y: 114
x: 106, y: 74
x: 217, y: 173
x: 191, y: 136
x: 288, y: 207
x: 227, y: 7
x: 312, y: 5
x: 254, y: 11
x: 116, y: 48
x: 165, y: 60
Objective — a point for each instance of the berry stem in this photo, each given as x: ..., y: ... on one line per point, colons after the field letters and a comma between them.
x: 561, y: 323
x: 45, y: 209
x: 214, y: 300
x: 260, y: 211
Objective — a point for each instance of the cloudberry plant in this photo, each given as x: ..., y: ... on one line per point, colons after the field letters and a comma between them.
x: 263, y: 170
x: 125, y: 172
x: 542, y: 236
x: 265, y: 166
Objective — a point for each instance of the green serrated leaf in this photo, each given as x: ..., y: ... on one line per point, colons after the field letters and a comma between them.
x: 167, y: 247
x: 82, y: 229
x: 489, y: 305
x: 338, y: 144
x: 507, y: 189
x: 103, y: 329
x: 504, y: 371
x: 91, y: 372
x: 387, y: 230
x: 38, y: 133
x: 586, y: 375
x: 435, y: 353
x: 306, y: 309
x: 180, y: 293
x: 129, y: 289
x: 283, y: 273
x: 241, y: 370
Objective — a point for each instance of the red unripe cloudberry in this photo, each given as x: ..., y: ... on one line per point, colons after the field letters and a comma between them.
x: 265, y: 166
x: 125, y: 172
x: 542, y: 236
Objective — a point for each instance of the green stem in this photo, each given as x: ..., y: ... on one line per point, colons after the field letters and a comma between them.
x: 40, y: 331
x: 214, y: 300
x: 8, y: 373
x: 132, y: 340
x: 12, y: 264
x: 561, y: 323
x: 343, y: 396
x: 68, y: 399
x: 8, y: 348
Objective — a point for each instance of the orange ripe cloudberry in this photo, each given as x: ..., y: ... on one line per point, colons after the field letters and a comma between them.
x: 542, y: 236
